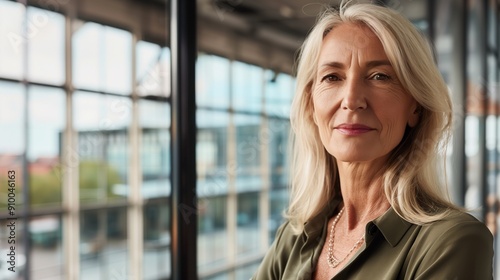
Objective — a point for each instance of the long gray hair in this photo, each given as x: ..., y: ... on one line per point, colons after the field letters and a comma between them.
x: 411, y: 181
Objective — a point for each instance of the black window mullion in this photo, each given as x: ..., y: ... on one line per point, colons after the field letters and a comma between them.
x: 183, y: 205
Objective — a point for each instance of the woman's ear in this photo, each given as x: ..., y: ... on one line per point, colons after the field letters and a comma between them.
x: 415, y: 116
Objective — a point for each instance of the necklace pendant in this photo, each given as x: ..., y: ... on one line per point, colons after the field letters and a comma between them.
x: 334, y: 263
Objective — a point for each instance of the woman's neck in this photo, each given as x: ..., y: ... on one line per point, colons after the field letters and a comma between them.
x: 363, y: 193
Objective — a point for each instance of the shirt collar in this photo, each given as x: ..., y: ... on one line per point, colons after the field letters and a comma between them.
x: 392, y: 226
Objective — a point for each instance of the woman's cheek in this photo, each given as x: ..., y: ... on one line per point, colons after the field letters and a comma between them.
x: 323, y: 99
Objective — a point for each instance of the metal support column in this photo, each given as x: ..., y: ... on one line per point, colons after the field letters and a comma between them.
x: 135, y: 222
x: 484, y: 155
x: 183, y: 206
x: 26, y: 207
x: 70, y: 162
x: 458, y: 85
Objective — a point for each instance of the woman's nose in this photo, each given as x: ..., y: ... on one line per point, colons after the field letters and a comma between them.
x: 353, y: 95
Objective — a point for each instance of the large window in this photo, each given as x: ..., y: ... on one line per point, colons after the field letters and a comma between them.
x: 85, y: 104
x: 32, y: 117
x: 89, y: 136
x: 242, y: 138
x: 98, y: 63
x: 469, y: 61
x: 83, y: 140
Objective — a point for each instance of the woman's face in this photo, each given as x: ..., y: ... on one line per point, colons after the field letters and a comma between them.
x: 360, y: 107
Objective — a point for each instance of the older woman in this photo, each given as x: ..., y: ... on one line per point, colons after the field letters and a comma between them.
x: 370, y: 114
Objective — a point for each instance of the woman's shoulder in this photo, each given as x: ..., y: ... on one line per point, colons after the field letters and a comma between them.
x: 458, y: 246
x: 286, y: 235
x: 457, y: 224
x: 289, y: 241
x: 285, y: 257
x: 457, y: 217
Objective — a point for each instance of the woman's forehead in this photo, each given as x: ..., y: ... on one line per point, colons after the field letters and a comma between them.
x: 351, y: 41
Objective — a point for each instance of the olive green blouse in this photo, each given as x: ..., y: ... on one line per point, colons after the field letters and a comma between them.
x: 458, y: 247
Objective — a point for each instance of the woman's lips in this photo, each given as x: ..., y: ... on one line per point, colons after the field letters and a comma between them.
x: 353, y: 129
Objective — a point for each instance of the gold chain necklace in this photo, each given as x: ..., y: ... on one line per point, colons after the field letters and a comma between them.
x: 332, y: 261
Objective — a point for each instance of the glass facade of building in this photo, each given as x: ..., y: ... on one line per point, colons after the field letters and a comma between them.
x: 85, y: 107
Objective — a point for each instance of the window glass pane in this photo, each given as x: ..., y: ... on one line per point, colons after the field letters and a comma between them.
x: 472, y: 151
x: 212, y: 81
x: 12, y: 39
x: 278, y: 130
x: 46, y: 252
x: 212, y: 233
x: 157, y: 241
x: 46, y: 128
x: 98, y: 64
x: 148, y: 54
x: 87, y: 53
x: 211, y: 152
x: 279, y: 166
x: 493, y: 13
x: 248, y: 83
x: 248, y: 232
x: 246, y: 272
x: 155, y: 148
x: 103, y: 244
x: 278, y: 200
x: 491, y: 133
x: 46, y: 46
x: 101, y: 123
x: 475, y: 56
x: 249, y: 147
x: 12, y: 118
x: 12, y: 106
x: 153, y: 69
x: 279, y: 93
x: 212, y: 188
x: 222, y: 276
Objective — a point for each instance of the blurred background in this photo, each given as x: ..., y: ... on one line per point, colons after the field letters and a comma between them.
x: 85, y: 119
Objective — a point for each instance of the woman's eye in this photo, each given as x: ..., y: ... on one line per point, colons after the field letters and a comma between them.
x: 330, y: 78
x: 380, y: 77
